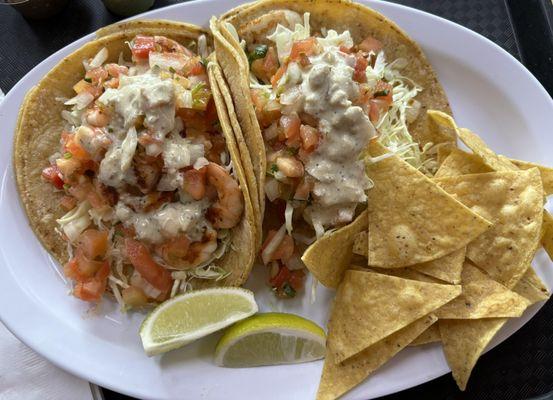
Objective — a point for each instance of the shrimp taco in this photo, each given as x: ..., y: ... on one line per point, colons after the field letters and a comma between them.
x: 313, y: 83
x: 129, y: 170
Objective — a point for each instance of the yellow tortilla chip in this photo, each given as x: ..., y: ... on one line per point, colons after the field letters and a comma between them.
x: 512, y: 200
x: 361, y: 243
x: 369, y: 307
x: 545, y: 172
x: 431, y: 335
x: 460, y: 162
x: 413, y: 220
x: 444, y: 151
x: 547, y: 234
x: 447, y: 268
x: 464, y: 341
x: 330, y: 256
x: 338, y: 378
x: 406, y: 273
x: 482, y: 297
x: 531, y: 287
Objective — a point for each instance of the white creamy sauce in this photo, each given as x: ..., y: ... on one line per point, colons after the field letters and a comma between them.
x: 328, y: 89
x: 167, y: 222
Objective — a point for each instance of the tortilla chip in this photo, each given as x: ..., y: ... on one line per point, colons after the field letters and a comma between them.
x: 329, y: 257
x: 405, y: 273
x: 464, y: 341
x: 531, y: 287
x: 447, y: 268
x: 460, y: 162
x: 431, y: 335
x: 444, y: 151
x: 545, y: 172
x: 513, y: 201
x: 338, y: 378
x: 369, y: 307
x: 413, y: 220
x: 361, y: 243
x: 482, y: 297
x: 547, y: 234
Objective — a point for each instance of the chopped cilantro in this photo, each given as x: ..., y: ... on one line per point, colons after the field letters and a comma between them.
x: 274, y: 168
x: 204, y: 62
x: 288, y: 290
x: 89, y: 80
x: 66, y: 186
x: 292, y: 150
x: 172, y: 70
x: 67, y: 155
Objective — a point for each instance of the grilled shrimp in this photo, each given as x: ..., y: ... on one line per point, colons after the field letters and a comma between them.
x: 171, y: 46
x: 225, y: 213
x: 148, y: 171
x: 265, y: 24
x: 185, y: 255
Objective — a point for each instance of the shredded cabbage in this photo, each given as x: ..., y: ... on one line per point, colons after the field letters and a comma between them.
x: 284, y: 37
x: 75, y: 221
x: 288, y: 214
x: 99, y: 59
x: 332, y: 38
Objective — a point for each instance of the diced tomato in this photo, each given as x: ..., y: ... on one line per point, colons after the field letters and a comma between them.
x: 370, y: 44
x: 94, y: 243
x: 296, y: 279
x: 140, y: 258
x: 377, y: 108
x: 53, y: 175
x: 193, y: 118
x: 84, y: 86
x: 68, y: 202
x: 309, y: 137
x: 134, y: 297
x: 115, y: 70
x: 92, y: 289
x: 76, y: 150
x: 113, y: 83
x: 361, y: 64
x: 280, y: 278
x: 96, y: 75
x: 80, y: 268
x: 291, y: 128
x: 278, y: 74
x: 68, y: 166
x: 264, y: 68
x: 265, y: 116
x: 285, y: 250
x: 194, y: 66
x: 141, y: 47
x: 195, y: 182
x: 307, y: 47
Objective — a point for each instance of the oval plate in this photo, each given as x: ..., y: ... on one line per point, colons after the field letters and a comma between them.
x: 484, y: 84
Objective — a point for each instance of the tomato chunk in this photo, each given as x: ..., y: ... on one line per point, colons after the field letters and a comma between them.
x: 142, y: 261
x: 361, y: 64
x: 291, y: 128
x: 142, y: 46
x: 307, y: 47
x: 309, y: 137
x: 94, y: 243
x: 53, y: 175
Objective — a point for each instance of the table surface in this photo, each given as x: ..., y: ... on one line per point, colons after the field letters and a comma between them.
x: 521, y: 366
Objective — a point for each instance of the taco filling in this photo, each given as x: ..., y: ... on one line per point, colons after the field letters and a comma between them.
x: 149, y: 186
x: 319, y: 99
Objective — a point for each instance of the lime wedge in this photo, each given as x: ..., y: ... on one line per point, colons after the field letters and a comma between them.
x: 270, y: 339
x: 190, y: 316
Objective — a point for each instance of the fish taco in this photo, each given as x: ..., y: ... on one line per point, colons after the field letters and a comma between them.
x: 313, y: 83
x: 128, y: 168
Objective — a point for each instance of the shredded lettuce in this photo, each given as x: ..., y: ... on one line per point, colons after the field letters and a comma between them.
x: 333, y: 39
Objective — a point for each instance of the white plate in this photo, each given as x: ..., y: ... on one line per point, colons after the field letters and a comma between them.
x: 490, y: 92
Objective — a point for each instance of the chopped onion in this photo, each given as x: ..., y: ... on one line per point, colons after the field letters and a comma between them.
x: 99, y: 59
x: 202, y: 46
x: 167, y: 62
x: 273, y: 245
x: 81, y: 101
x: 291, y: 96
x: 272, y: 189
x: 184, y: 99
x: 200, y: 163
x: 271, y: 132
x: 288, y: 213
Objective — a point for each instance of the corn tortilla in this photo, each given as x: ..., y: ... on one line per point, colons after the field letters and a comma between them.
x: 431, y: 335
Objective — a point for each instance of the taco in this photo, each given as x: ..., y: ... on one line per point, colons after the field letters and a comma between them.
x: 313, y: 83
x: 128, y: 168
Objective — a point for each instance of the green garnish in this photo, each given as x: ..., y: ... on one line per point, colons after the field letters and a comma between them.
x: 172, y: 70
x: 381, y: 93
x: 274, y: 168
x: 110, y: 130
x: 89, y: 80
x: 292, y: 150
x: 259, y: 52
x: 197, y: 88
x: 204, y: 62
x: 66, y: 186
x: 67, y: 155
x: 288, y: 290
